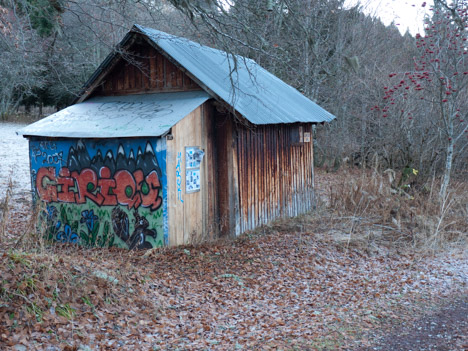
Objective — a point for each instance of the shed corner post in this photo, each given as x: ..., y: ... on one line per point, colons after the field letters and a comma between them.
x: 235, y: 221
x: 312, y: 165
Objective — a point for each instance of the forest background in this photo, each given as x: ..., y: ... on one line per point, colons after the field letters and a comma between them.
x: 400, y: 100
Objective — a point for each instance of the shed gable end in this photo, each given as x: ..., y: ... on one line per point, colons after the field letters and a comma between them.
x: 144, y: 70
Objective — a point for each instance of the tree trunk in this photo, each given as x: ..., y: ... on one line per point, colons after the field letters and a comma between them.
x: 363, y: 136
x: 448, y: 168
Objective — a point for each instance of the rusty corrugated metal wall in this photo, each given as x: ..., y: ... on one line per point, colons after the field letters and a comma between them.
x: 275, y: 173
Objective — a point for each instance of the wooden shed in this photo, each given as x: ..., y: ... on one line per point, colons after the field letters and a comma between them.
x: 167, y: 144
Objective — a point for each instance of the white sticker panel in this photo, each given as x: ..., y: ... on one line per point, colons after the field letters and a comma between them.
x: 193, y: 157
x: 192, y: 180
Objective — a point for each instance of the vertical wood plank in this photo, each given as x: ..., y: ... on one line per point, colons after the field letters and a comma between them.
x: 185, y: 218
x: 129, y: 76
x: 160, y: 64
x: 146, y: 71
x: 153, y: 72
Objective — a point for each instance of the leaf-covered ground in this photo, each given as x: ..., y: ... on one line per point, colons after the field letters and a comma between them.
x: 283, y: 287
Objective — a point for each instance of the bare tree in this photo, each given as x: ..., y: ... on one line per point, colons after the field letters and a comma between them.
x: 439, y: 80
x: 21, y: 54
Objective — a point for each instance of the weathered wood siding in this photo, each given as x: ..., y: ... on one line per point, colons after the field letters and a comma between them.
x: 275, y: 173
x: 249, y: 175
x: 144, y: 70
x: 227, y: 174
x: 192, y: 216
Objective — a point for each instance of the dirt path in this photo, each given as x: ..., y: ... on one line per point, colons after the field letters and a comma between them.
x: 445, y: 329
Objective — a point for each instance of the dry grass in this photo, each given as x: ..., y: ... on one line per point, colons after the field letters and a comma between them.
x: 38, y: 277
x: 366, y: 207
x: 355, y: 207
x: 5, y: 210
x: 23, y: 116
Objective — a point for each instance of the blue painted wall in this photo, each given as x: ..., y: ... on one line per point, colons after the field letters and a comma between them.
x: 102, y: 192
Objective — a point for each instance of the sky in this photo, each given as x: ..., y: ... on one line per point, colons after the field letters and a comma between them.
x: 406, y: 14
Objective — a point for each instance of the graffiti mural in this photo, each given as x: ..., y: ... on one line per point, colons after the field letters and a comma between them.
x: 102, y: 192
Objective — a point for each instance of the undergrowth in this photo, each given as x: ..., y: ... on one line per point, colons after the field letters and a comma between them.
x: 50, y: 283
x: 369, y: 207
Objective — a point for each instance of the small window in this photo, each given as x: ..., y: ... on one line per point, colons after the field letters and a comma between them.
x: 297, y: 135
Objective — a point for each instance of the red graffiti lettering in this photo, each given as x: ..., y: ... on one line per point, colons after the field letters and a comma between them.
x: 45, y: 184
x: 107, y: 184
x: 124, y: 188
x: 151, y: 198
x: 86, y: 183
x: 65, y: 182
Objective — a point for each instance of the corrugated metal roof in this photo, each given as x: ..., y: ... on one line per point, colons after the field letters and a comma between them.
x: 257, y: 94
x: 119, y: 116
